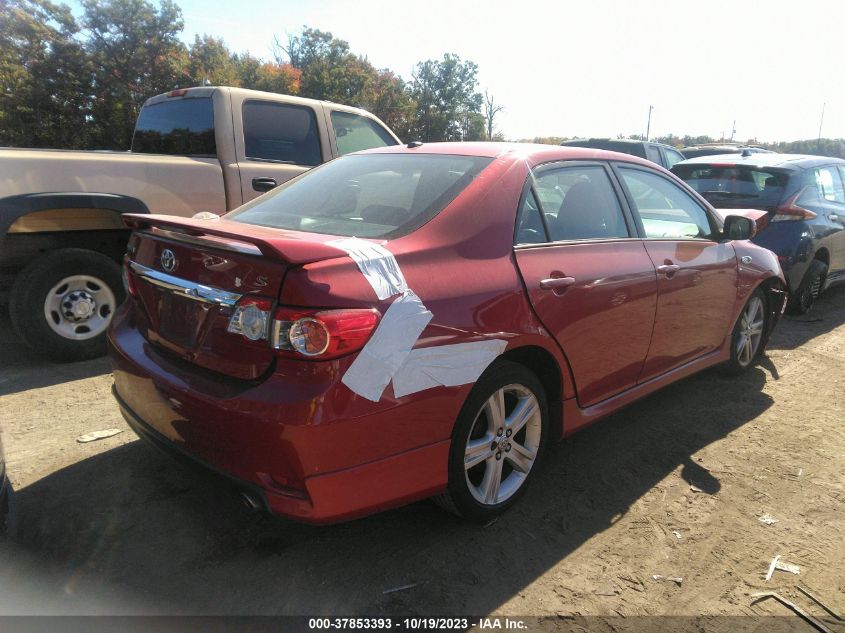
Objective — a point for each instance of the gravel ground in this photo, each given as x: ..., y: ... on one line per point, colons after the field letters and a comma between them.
x: 672, y: 486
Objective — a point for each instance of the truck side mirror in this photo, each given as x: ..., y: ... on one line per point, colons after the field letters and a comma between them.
x: 738, y: 227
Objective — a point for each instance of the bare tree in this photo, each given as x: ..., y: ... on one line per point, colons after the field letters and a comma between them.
x: 490, y: 112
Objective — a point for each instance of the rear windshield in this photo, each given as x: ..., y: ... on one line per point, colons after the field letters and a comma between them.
x: 181, y: 126
x: 735, y: 184
x: 375, y: 195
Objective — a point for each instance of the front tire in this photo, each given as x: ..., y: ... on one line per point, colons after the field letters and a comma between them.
x: 62, y: 303
x: 497, y: 442
x: 749, y: 334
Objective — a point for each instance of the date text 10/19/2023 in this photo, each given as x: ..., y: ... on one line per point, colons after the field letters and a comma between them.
x: 417, y: 624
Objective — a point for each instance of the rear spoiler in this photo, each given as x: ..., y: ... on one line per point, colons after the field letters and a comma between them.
x: 294, y: 247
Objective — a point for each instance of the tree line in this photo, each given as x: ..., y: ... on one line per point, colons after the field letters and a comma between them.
x: 814, y: 146
x: 79, y: 83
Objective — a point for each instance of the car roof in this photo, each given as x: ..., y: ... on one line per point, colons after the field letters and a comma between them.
x: 621, y: 141
x: 533, y: 153
x: 784, y: 161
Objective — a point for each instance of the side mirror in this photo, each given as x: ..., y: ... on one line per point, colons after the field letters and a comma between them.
x: 738, y: 227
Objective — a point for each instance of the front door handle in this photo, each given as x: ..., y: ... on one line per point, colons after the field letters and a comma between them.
x: 834, y: 217
x: 668, y: 269
x: 263, y: 184
x: 556, y: 283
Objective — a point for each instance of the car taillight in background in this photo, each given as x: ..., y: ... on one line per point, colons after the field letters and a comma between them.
x: 790, y: 211
x: 302, y: 333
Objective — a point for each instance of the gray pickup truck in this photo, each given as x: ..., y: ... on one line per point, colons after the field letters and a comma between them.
x: 196, y: 149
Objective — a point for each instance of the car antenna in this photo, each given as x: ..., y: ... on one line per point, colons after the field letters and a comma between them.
x: 746, y: 153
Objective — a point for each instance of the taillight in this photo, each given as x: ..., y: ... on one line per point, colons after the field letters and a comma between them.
x: 321, y: 334
x: 251, y: 318
x: 790, y: 211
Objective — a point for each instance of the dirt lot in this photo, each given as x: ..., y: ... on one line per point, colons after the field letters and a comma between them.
x: 673, y: 486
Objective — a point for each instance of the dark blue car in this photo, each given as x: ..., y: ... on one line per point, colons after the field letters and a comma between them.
x: 805, y: 199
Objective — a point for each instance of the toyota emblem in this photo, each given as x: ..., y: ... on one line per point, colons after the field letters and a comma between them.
x: 168, y: 260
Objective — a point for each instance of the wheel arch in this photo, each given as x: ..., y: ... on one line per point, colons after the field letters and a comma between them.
x: 548, y: 370
x: 13, y: 208
x: 823, y: 255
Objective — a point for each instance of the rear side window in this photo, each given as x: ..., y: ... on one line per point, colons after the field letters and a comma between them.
x: 181, y: 126
x: 732, y: 185
x: 529, y: 225
x: 580, y: 204
x: 281, y: 133
x: 666, y: 210
x: 829, y: 184
x: 354, y: 133
x: 370, y: 195
x: 652, y: 154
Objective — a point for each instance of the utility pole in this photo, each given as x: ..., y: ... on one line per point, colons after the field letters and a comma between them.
x: 648, y: 125
x: 733, y: 130
x: 821, y: 122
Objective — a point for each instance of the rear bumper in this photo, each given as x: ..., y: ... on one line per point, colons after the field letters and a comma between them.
x: 298, y: 443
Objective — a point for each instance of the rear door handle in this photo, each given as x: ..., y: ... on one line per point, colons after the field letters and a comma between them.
x: 834, y: 217
x: 668, y: 269
x: 555, y: 283
x: 264, y: 184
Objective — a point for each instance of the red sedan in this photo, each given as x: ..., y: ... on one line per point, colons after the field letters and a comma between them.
x: 420, y: 321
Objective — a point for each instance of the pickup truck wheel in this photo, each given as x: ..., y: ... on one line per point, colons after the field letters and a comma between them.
x: 61, y: 304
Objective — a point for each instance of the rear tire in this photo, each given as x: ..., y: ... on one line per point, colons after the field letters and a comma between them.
x: 748, y: 338
x: 804, y: 298
x: 500, y: 432
x: 62, y: 303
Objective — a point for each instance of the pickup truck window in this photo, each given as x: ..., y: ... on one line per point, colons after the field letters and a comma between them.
x: 365, y: 195
x: 281, y: 133
x: 354, y: 132
x: 180, y: 126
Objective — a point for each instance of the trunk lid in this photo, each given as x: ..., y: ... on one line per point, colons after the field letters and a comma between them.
x: 189, y: 275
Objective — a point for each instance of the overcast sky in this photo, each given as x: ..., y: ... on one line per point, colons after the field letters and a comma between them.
x: 592, y: 67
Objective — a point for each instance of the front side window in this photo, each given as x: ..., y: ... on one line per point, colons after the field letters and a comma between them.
x: 580, y: 204
x: 355, y: 133
x: 366, y: 195
x: 829, y: 184
x: 182, y: 127
x: 666, y: 210
x: 281, y: 133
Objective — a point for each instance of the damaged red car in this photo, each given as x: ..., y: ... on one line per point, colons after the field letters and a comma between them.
x: 421, y: 321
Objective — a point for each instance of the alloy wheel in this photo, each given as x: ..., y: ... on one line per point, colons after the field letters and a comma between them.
x: 503, y: 444
x: 750, y: 331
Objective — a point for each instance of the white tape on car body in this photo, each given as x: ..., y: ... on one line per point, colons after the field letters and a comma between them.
x: 446, y: 365
x: 377, y: 264
x: 389, y: 354
x: 386, y: 351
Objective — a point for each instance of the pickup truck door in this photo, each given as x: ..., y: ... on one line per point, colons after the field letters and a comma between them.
x: 279, y: 141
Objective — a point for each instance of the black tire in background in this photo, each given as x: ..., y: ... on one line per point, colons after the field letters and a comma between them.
x: 520, y: 388
x: 92, y: 279
x: 804, y: 297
